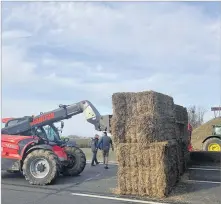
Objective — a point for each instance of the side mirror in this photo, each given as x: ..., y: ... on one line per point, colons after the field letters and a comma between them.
x: 30, y: 119
x: 66, y: 139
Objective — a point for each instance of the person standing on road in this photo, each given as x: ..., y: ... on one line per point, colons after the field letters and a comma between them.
x: 94, y: 144
x: 105, y: 143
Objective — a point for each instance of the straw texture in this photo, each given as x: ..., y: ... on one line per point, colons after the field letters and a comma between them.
x: 150, y: 138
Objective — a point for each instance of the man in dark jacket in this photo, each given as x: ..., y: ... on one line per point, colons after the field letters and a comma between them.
x: 94, y: 144
x: 105, y: 143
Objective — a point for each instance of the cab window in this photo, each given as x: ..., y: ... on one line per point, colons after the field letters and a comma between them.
x: 51, y: 134
x: 11, y: 122
x: 217, y: 130
x: 40, y: 133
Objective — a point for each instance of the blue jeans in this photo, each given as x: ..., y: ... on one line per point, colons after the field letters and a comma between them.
x: 94, y: 158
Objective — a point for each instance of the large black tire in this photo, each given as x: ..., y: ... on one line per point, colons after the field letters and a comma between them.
x: 79, y: 161
x: 212, y: 141
x: 51, y: 161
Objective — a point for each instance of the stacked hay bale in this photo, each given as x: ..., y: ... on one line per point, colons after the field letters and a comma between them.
x: 181, y: 117
x: 147, y: 144
x: 142, y: 117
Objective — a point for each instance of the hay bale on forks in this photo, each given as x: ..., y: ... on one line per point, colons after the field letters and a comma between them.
x: 126, y: 104
x: 142, y: 117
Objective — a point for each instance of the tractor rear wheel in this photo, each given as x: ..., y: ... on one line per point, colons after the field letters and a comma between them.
x: 40, y: 167
x: 77, y: 161
x: 212, y: 144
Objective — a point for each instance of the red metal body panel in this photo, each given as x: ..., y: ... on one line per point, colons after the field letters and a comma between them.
x: 60, y: 152
x: 190, y: 128
x: 15, y: 139
x: 5, y: 120
x: 9, y: 146
x: 190, y: 148
x: 23, y: 150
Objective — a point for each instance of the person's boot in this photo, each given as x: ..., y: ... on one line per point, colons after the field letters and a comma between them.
x: 92, y: 165
x: 106, y: 167
x: 97, y: 163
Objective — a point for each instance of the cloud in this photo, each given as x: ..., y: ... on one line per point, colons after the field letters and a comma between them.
x: 65, y: 52
x: 16, y: 69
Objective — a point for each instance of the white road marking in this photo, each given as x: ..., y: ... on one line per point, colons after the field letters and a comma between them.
x: 204, y: 169
x: 115, y: 198
x: 196, y: 181
x: 88, y: 179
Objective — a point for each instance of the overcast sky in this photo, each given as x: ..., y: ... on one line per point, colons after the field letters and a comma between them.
x: 57, y: 53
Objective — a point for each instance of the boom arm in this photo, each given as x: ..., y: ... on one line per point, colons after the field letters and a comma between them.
x: 68, y: 111
x: 63, y: 112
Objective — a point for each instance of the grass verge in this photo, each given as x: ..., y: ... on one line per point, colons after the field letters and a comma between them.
x: 88, y: 154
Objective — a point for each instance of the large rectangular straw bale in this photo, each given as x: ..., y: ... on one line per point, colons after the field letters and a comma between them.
x: 124, y: 180
x: 132, y: 154
x: 151, y: 128
x: 147, y: 171
x: 180, y: 113
x: 181, y: 117
x: 154, y: 103
x: 137, y: 154
x: 183, y: 155
x: 143, y: 129
x: 118, y: 130
x: 126, y: 104
x: 143, y: 117
x: 182, y: 131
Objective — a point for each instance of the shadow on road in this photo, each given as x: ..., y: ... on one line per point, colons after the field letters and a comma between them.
x: 89, y: 174
x: 203, y: 157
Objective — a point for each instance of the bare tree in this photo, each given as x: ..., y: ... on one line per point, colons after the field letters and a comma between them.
x: 196, y: 115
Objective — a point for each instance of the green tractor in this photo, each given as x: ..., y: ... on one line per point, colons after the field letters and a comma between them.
x: 213, y: 142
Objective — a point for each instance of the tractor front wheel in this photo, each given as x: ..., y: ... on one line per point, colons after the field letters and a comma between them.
x: 77, y: 161
x: 40, y: 167
x: 212, y: 144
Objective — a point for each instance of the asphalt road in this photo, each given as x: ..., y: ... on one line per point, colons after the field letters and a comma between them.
x: 200, y: 185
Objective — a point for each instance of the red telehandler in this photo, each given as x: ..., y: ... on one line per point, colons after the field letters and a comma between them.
x: 32, y: 145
